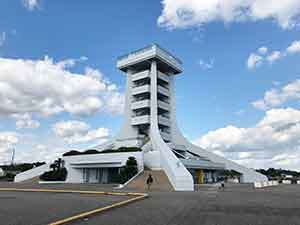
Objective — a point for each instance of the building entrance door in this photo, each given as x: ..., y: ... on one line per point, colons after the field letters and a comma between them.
x: 101, y: 175
x: 199, y: 176
x: 86, y: 175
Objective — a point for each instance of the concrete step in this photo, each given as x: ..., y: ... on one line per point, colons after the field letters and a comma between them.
x: 206, y: 187
x: 160, y: 181
x: 228, y: 186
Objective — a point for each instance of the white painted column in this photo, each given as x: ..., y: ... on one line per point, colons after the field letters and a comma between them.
x: 128, y: 134
x: 153, y: 109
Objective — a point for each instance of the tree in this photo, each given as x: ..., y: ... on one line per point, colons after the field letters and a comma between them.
x: 58, y: 172
x: 129, y: 170
x: 72, y: 152
x: 57, y: 164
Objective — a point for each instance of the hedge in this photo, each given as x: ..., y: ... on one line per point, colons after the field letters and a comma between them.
x: 94, y: 151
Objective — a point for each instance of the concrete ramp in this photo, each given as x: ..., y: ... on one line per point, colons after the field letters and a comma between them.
x: 160, y: 181
x: 30, y: 174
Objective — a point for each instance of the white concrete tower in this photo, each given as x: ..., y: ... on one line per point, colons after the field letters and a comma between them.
x: 149, y: 113
x: 150, y: 122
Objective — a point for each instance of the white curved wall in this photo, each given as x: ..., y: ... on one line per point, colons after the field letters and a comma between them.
x: 29, y: 174
x: 249, y: 175
x: 179, y: 176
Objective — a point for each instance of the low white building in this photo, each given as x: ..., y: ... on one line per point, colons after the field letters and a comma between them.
x: 99, y: 168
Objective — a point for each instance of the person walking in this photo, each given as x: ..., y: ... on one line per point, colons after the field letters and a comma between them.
x: 222, y: 185
x: 149, y: 181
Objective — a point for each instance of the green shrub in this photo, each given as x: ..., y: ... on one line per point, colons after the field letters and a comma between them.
x: 129, y: 170
x: 21, y: 167
x: 8, y: 177
x: 55, y: 175
x: 122, y: 149
x: 94, y: 151
x: 90, y: 151
x: 72, y: 152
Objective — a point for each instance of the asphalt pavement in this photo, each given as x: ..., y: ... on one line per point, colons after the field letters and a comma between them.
x: 233, y: 206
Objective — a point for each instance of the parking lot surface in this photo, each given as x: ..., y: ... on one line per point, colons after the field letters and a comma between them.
x: 271, y: 206
x: 39, y: 208
x: 234, y: 206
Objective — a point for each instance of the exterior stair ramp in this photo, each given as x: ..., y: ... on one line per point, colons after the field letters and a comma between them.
x: 160, y: 181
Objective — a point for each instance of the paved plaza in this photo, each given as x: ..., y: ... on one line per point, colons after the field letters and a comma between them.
x: 234, y: 206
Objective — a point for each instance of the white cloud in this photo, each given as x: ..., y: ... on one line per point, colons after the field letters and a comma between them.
x: 254, y: 61
x: 25, y: 122
x: 78, y: 132
x: 276, y: 97
x: 294, y: 47
x: 206, y: 65
x: 245, y: 155
x: 2, y: 38
x: 40, y: 153
x: 260, y: 56
x: 31, y: 4
x: 274, y: 56
x: 46, y: 88
x: 272, y: 142
x: 263, y: 50
x: 8, y: 138
x: 191, y: 13
x: 259, y: 104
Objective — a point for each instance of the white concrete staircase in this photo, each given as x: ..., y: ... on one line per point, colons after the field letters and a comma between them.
x: 160, y: 181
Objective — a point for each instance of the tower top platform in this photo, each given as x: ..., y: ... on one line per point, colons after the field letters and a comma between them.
x: 142, y: 56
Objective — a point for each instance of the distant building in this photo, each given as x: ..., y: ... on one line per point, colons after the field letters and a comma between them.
x: 2, y: 173
x: 287, y: 176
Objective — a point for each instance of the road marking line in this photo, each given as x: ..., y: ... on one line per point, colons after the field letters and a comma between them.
x: 137, y: 196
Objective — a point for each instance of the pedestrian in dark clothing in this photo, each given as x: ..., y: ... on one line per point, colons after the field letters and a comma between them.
x: 222, y: 185
x: 149, y: 181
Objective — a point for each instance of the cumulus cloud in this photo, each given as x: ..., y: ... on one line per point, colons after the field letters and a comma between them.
x: 263, y: 50
x: 46, y: 88
x: 191, y: 13
x: 31, y: 4
x: 25, y: 122
x: 40, y: 153
x: 278, y: 96
x: 294, y: 48
x: 254, y: 60
x: 274, y: 56
x: 272, y: 142
x: 260, y: 56
x: 207, y: 65
x: 78, y: 132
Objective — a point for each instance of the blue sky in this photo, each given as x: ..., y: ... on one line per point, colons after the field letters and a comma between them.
x: 229, y: 93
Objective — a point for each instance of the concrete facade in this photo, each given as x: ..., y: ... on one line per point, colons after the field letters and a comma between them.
x: 95, y: 168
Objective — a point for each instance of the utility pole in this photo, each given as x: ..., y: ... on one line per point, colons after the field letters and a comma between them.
x: 13, y: 156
